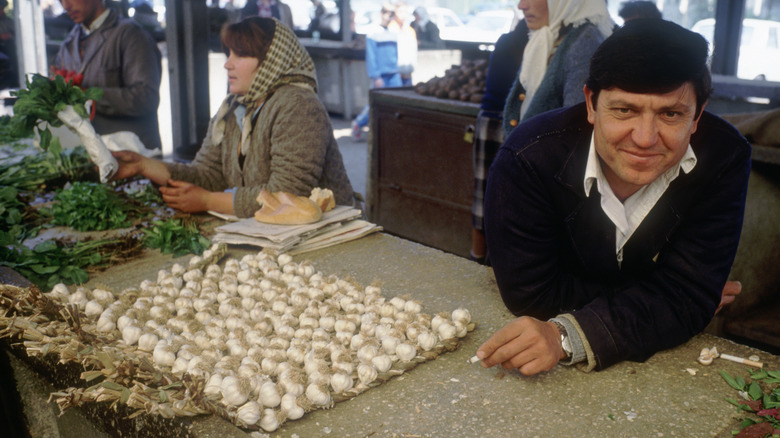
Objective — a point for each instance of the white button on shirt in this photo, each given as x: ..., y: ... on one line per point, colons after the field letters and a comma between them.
x: 629, y: 214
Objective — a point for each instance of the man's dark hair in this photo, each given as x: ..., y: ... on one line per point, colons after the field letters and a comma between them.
x: 651, y: 56
x: 632, y: 9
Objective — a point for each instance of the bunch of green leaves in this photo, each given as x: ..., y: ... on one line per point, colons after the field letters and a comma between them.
x: 41, y: 100
x: 148, y: 196
x: 50, y: 262
x: 37, y: 172
x: 16, y: 218
x: 88, y: 206
x: 176, y: 236
x: 6, y: 130
x: 761, y: 396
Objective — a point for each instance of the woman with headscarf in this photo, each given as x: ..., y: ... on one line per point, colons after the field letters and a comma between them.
x: 563, y: 36
x: 271, y: 132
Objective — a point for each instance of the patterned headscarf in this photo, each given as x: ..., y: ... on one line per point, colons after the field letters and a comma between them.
x: 286, y: 63
x: 540, y: 46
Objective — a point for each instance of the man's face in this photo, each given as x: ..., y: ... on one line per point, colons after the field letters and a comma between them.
x: 640, y: 136
x: 83, y: 11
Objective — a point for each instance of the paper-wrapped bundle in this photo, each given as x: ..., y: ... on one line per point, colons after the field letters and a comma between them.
x: 107, y: 164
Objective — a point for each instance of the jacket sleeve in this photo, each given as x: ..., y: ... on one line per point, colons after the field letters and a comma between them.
x: 372, y: 63
x: 623, y: 317
x: 139, y: 91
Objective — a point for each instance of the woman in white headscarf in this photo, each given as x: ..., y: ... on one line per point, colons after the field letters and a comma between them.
x: 271, y: 132
x: 563, y: 36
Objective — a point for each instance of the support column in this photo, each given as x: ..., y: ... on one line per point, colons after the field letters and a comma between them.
x: 186, y: 22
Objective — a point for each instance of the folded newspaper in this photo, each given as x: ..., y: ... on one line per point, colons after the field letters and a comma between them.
x: 339, y: 225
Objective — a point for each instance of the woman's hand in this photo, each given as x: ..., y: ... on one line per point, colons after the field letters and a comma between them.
x: 526, y: 343
x: 186, y: 197
x: 132, y: 164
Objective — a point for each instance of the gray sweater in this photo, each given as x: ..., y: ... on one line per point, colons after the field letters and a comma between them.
x: 292, y: 149
x: 563, y: 81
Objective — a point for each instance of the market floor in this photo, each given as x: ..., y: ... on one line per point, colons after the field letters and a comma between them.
x: 355, y: 153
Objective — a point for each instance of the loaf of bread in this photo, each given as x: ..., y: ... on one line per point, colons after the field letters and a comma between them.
x: 324, y: 198
x: 286, y: 209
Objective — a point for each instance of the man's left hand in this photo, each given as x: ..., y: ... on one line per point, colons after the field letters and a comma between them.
x: 729, y: 294
x: 528, y: 344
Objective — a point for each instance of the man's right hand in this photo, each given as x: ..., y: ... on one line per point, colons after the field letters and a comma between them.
x: 528, y: 344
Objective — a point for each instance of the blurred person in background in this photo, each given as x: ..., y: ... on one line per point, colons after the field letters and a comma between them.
x: 268, y: 9
x: 505, y: 61
x: 381, y: 63
x: 564, y: 35
x: 427, y: 31
x: 271, y: 132
x: 407, y: 42
x: 116, y: 55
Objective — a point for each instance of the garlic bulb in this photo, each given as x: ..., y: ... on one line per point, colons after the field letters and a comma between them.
x: 366, y: 353
x: 366, y: 373
x: 382, y: 363
x: 318, y: 395
x: 105, y: 325
x: 147, y: 342
x: 269, y: 395
x: 213, y: 385
x: 235, y: 392
x: 341, y: 382
x: 130, y: 334
x: 461, y: 316
x: 162, y: 355
x: 405, y: 352
x: 249, y: 413
x: 436, y: 321
x: 447, y: 330
x: 290, y: 407
x: 389, y: 344
x: 93, y: 309
x: 426, y: 341
x: 269, y: 422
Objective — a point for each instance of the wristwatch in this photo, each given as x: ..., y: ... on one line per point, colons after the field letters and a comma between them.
x: 565, y: 341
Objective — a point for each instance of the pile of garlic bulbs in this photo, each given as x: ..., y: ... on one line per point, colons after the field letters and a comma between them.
x: 271, y: 338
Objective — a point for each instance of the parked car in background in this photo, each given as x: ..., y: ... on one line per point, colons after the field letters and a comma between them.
x: 484, y: 27
x: 759, y: 48
x: 448, y: 22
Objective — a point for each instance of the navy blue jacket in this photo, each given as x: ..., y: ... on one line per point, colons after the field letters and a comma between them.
x: 553, y: 249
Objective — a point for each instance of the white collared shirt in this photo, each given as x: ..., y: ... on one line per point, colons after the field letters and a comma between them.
x: 629, y: 214
x: 96, y: 23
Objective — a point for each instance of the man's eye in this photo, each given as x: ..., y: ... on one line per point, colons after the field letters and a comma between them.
x: 671, y: 114
x: 623, y: 110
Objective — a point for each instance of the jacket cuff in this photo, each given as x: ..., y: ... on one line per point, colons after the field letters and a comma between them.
x: 582, y: 354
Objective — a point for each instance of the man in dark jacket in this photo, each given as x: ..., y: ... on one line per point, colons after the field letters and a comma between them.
x: 612, y: 225
x: 118, y: 56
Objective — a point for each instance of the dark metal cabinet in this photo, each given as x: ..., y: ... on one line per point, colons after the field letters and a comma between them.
x: 421, y: 177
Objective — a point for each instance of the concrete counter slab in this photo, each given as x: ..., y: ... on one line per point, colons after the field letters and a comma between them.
x: 450, y: 397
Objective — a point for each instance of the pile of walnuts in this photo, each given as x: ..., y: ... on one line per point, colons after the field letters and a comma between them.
x: 465, y: 82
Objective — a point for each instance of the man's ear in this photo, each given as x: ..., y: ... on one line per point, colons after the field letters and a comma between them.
x: 589, y: 104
